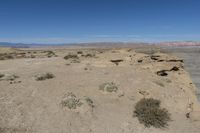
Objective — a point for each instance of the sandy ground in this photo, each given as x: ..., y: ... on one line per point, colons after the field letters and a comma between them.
x: 31, y: 106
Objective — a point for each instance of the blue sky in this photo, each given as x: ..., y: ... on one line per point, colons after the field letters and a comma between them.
x: 65, y: 21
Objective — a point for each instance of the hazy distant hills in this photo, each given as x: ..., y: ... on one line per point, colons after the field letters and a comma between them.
x: 175, y: 43
x: 7, y: 44
x: 26, y: 45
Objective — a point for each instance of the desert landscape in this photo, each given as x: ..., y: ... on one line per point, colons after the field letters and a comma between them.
x: 97, y: 90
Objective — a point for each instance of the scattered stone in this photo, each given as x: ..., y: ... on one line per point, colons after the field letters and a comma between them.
x: 155, y: 57
x: 175, y: 68
x: 187, y: 115
x: 140, y: 61
x: 162, y: 73
x: 174, y: 60
x: 116, y: 61
x: 144, y: 93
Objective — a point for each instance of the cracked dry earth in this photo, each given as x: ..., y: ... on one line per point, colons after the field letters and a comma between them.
x: 71, y: 101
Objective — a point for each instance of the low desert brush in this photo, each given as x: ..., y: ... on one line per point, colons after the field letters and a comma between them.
x: 71, y: 56
x: 109, y: 87
x: 44, y: 76
x: 89, y: 102
x: 71, y: 101
x: 149, y: 113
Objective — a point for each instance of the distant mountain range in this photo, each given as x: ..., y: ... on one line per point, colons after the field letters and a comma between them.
x: 26, y: 45
x: 175, y: 43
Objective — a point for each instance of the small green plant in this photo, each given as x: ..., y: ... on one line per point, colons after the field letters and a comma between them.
x: 44, y: 76
x: 109, y: 87
x: 71, y: 101
x: 149, y: 113
x: 89, y: 102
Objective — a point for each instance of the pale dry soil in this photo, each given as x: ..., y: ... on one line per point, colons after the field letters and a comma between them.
x: 32, y: 106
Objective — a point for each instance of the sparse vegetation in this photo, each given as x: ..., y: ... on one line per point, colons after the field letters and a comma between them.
x: 5, y: 56
x: 71, y: 101
x: 12, y: 77
x: 149, y: 113
x: 89, y: 102
x: 50, y: 54
x: 2, y: 75
x: 88, y: 55
x: 44, y: 76
x: 75, y: 61
x: 71, y: 56
x: 109, y: 87
x: 8, y: 77
x: 79, y: 52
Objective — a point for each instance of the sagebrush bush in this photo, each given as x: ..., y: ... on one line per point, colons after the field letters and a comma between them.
x: 44, y: 76
x: 89, y: 102
x: 71, y: 101
x: 71, y: 56
x: 109, y: 87
x: 2, y: 75
x: 149, y: 113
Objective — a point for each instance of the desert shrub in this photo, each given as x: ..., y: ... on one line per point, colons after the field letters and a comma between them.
x: 71, y: 56
x: 89, y: 102
x: 75, y: 61
x: 9, y: 56
x: 71, y: 101
x: 79, y: 52
x: 2, y: 58
x: 8, y: 77
x: 109, y: 87
x: 149, y: 113
x: 12, y: 77
x: 50, y: 54
x: 88, y: 55
x: 44, y: 76
x: 32, y: 56
x: 2, y: 75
